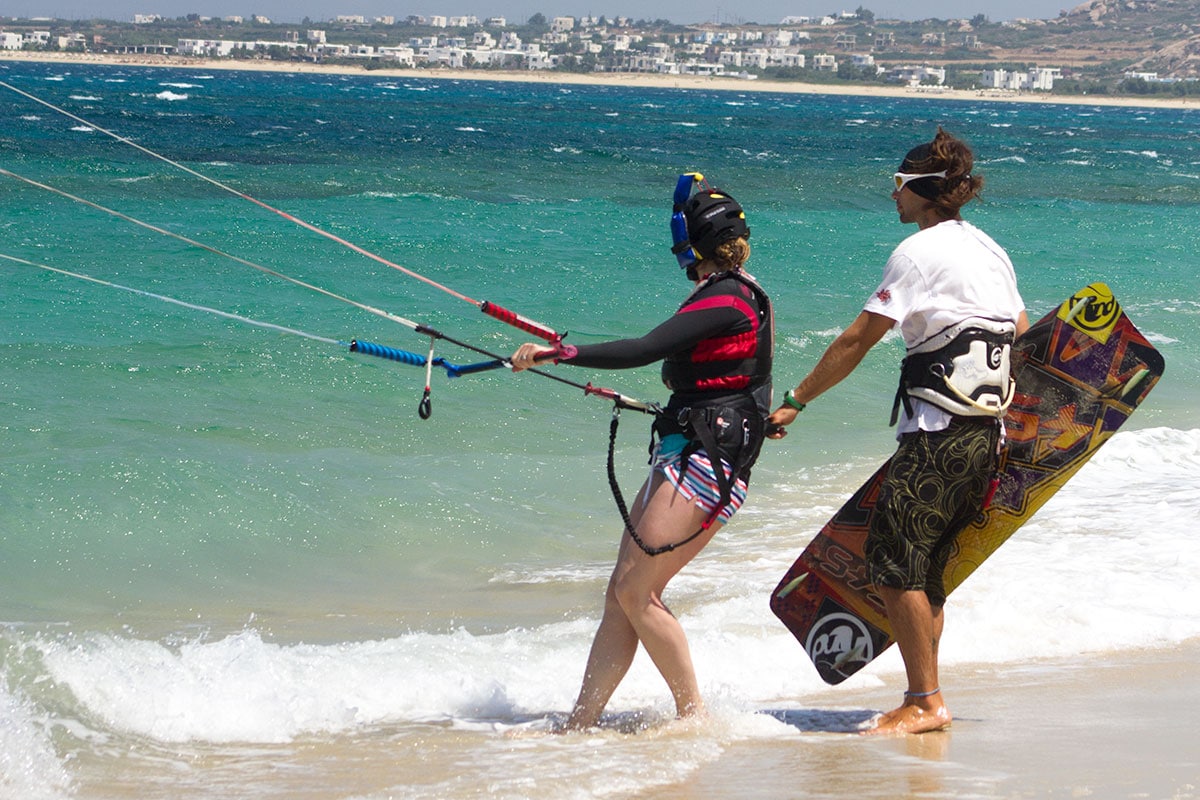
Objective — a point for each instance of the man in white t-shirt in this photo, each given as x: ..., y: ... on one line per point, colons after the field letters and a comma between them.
x: 952, y: 292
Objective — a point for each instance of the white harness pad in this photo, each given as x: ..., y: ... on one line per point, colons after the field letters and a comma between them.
x: 963, y: 369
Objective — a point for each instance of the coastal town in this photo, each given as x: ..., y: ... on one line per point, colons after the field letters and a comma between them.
x: 841, y: 47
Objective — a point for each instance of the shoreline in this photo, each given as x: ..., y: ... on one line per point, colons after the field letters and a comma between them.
x: 1103, y: 724
x: 628, y: 79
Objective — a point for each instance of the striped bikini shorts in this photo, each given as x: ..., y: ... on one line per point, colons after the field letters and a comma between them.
x: 698, y: 483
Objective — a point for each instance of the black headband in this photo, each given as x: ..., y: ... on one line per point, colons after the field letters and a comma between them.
x: 918, y: 161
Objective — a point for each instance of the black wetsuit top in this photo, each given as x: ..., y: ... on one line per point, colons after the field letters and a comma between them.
x: 720, y: 342
x: 716, y: 352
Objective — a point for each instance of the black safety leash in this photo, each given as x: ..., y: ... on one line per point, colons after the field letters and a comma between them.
x: 620, y: 499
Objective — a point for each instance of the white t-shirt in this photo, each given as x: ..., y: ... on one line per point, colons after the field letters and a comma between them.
x: 938, y: 277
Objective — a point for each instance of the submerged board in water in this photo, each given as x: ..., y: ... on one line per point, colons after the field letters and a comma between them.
x: 1080, y: 372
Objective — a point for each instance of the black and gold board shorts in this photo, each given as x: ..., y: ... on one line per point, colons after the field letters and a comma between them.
x: 936, y: 484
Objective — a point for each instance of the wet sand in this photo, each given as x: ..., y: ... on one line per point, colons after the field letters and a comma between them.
x: 1111, y: 725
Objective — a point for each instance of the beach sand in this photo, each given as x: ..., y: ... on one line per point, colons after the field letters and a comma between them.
x: 1108, y: 725
x: 609, y: 79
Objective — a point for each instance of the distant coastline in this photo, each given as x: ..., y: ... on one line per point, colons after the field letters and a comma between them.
x: 608, y: 79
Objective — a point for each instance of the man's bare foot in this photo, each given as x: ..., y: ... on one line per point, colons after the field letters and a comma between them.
x: 913, y: 717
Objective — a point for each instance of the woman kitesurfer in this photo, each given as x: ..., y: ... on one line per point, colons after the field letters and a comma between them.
x: 952, y: 292
x: 716, y: 352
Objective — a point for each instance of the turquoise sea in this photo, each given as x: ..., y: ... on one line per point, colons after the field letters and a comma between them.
x: 234, y: 562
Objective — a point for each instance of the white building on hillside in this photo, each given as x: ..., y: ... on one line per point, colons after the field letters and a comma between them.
x: 224, y: 48
x: 911, y: 75
x: 402, y: 56
x: 1036, y: 79
x: 206, y: 48
x: 824, y: 62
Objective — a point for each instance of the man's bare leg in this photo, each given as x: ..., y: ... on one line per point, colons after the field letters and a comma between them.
x: 917, y: 628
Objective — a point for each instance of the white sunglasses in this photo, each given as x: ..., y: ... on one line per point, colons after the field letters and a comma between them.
x: 903, y: 178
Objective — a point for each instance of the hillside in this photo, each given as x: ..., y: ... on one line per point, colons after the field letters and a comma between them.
x: 1143, y: 35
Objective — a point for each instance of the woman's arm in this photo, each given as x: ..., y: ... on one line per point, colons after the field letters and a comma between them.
x: 677, y: 333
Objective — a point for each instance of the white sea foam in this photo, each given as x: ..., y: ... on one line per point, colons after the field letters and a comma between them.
x: 1158, y: 338
x: 1108, y: 563
x: 170, y: 96
x: 29, y: 767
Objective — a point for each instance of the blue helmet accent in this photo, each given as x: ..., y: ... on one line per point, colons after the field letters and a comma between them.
x: 681, y: 245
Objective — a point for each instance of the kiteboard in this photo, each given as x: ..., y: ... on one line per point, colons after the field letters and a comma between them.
x: 1080, y: 372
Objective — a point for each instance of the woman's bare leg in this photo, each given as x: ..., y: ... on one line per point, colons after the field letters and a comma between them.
x: 613, y: 649
x: 634, y: 610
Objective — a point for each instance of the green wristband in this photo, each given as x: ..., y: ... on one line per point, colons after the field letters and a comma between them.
x: 789, y: 399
